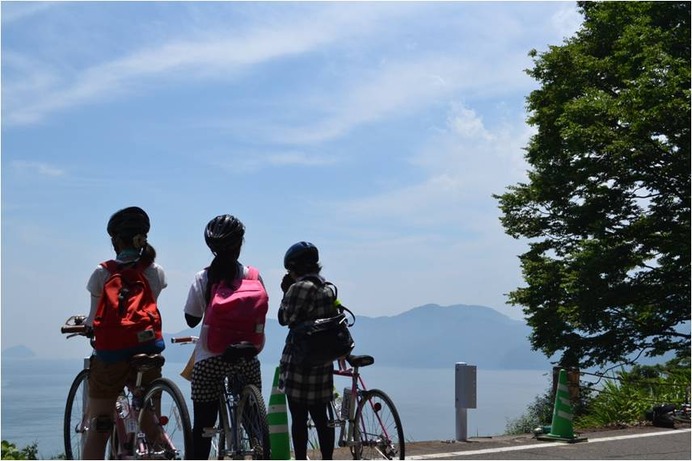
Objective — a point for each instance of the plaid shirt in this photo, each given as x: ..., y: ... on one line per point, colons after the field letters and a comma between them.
x: 306, y: 300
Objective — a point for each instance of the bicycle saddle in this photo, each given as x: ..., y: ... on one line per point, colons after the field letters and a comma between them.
x: 147, y: 362
x: 360, y: 360
x: 235, y: 352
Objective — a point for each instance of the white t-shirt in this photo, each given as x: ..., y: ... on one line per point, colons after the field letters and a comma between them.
x: 196, y: 305
x: 154, y: 274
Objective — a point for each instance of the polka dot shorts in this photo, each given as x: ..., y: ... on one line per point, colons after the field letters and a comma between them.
x: 208, y: 375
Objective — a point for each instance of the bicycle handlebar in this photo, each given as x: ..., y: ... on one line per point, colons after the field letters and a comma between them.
x: 185, y: 340
x: 75, y: 326
x: 77, y: 329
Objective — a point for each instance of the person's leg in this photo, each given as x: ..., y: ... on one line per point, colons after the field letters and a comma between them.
x: 100, y: 427
x: 325, y: 434
x: 207, y: 376
x: 299, y: 428
x: 204, y: 414
x: 105, y: 383
x: 150, y: 422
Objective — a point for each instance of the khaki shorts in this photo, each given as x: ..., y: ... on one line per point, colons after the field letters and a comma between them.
x: 106, y: 380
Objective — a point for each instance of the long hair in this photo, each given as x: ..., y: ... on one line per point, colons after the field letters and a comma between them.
x: 223, y: 268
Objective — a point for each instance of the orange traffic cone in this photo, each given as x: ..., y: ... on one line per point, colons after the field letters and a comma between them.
x: 561, y: 428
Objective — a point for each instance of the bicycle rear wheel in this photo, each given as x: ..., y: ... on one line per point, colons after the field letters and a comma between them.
x: 378, y: 433
x: 166, y: 403
x: 75, y: 424
x: 252, y: 421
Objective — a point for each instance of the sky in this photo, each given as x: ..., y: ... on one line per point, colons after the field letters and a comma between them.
x: 379, y: 131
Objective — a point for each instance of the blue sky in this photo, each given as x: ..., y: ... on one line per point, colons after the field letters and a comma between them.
x: 378, y: 131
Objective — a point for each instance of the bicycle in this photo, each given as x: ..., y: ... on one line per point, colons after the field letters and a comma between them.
x: 369, y: 423
x: 159, y: 404
x: 242, y: 431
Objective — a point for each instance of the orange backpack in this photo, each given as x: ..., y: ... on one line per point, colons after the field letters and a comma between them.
x: 127, y: 320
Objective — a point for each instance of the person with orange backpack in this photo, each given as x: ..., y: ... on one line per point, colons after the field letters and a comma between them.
x: 124, y: 319
x: 232, y: 301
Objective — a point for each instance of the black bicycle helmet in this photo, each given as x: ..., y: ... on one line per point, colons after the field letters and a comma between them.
x: 224, y: 232
x: 301, y: 254
x: 128, y: 222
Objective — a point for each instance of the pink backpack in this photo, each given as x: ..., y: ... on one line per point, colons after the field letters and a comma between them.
x: 235, y: 314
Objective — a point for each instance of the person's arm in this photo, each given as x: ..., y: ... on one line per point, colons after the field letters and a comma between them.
x: 192, y: 321
x: 286, y: 283
x: 295, y: 302
x: 95, y: 287
x: 195, y: 304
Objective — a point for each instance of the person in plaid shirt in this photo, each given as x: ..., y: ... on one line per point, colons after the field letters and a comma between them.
x: 307, y: 389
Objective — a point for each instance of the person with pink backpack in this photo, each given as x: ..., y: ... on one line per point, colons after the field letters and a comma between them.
x: 232, y: 301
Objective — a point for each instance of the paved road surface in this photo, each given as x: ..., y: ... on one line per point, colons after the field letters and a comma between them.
x: 638, y: 443
x: 633, y: 443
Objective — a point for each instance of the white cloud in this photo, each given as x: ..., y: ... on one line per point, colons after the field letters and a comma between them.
x: 215, y: 54
x: 255, y: 161
x: 37, y: 168
x: 567, y: 20
x: 17, y: 11
x: 462, y: 165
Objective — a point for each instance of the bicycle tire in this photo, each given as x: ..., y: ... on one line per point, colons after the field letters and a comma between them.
x: 378, y: 433
x: 163, y: 397
x: 252, y: 420
x: 220, y: 445
x: 74, y: 423
x: 313, y: 449
x: 113, y: 443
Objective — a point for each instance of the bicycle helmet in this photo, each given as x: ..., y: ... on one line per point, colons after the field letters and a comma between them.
x: 128, y: 222
x: 301, y: 254
x: 224, y: 232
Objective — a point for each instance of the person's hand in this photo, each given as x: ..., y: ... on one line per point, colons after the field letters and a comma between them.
x: 286, y: 282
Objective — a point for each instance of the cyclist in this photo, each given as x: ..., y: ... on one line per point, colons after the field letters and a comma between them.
x: 224, y: 237
x: 308, y: 389
x: 108, y: 375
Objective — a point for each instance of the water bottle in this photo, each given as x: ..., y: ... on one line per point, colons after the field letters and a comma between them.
x: 127, y: 413
x: 122, y: 406
x: 346, y: 403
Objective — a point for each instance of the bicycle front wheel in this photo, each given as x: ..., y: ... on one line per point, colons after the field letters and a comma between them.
x: 164, y: 404
x: 378, y: 433
x: 252, y: 422
x: 75, y: 424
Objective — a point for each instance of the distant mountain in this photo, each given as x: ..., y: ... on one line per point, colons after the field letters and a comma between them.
x: 18, y: 352
x: 429, y: 336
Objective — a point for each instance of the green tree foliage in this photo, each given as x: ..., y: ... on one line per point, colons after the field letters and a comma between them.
x: 626, y: 398
x: 606, y: 209
x: 10, y: 451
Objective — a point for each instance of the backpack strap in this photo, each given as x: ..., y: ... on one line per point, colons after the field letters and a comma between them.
x: 110, y: 265
x: 252, y: 273
x: 113, y: 266
x: 340, y: 307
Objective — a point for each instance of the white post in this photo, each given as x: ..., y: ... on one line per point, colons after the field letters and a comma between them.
x: 465, y: 397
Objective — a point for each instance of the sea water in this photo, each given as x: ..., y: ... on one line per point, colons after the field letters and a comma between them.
x: 34, y: 393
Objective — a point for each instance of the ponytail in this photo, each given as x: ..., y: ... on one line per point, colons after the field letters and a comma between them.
x: 223, y: 268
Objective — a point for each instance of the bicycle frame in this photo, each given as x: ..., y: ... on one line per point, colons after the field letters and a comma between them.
x: 369, y: 423
x: 137, y: 408
x: 132, y: 441
x: 350, y: 401
x: 228, y: 415
x: 235, y: 392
